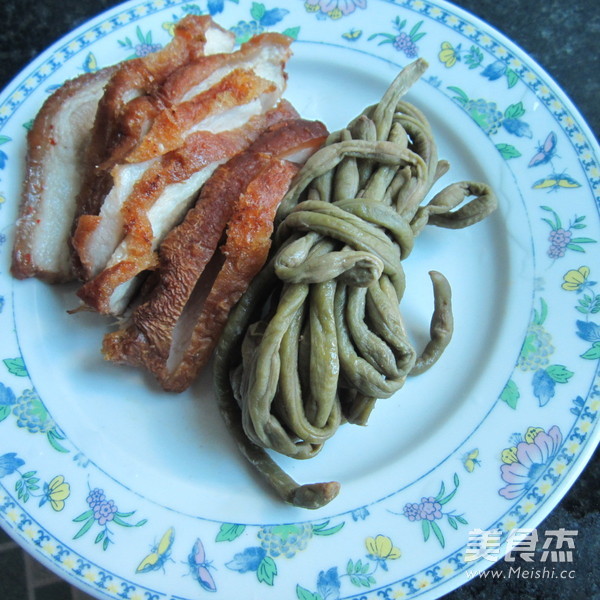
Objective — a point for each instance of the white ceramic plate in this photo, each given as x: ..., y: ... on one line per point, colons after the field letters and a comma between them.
x: 130, y: 492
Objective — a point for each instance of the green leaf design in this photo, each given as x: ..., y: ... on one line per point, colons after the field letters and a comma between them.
x: 4, y: 412
x: 540, y: 317
x: 507, y: 151
x: 292, y: 32
x: 257, y: 11
x: 461, y: 96
x: 350, y: 567
x: 304, y: 594
x: 452, y: 493
x: 322, y: 528
x: 452, y: 522
x: 511, y: 77
x: 16, y: 366
x: 440, y: 494
x: 510, y: 394
x: 229, y: 532
x: 53, y: 437
x: 4, y: 139
x: 267, y: 569
x: 514, y: 111
x: 100, y: 536
x: 84, y: 516
x: 438, y: 533
x: 426, y: 527
x: 416, y: 28
x: 84, y: 529
x: 559, y: 373
x: 118, y: 521
x: 592, y: 353
x: 461, y: 519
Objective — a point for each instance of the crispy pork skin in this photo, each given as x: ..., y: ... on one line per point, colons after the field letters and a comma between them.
x: 81, y: 125
x: 196, y: 284
x: 213, y: 121
x: 130, y: 101
x: 245, y: 252
x: 125, y: 112
x: 56, y: 145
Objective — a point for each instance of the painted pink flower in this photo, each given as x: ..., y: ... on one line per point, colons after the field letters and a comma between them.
x: 528, y: 460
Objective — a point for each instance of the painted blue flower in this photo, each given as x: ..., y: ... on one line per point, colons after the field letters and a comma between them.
x: 3, y: 159
x: 494, y: 70
x: 7, y: 396
x: 215, y: 6
x: 588, y: 331
x: 517, y: 127
x: 273, y: 16
x: 543, y: 386
x: 9, y: 463
x: 328, y: 584
x: 360, y: 513
x: 248, y: 560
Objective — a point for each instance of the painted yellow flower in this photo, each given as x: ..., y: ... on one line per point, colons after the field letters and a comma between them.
x: 531, y: 434
x: 58, y: 491
x: 573, y: 280
x: 382, y: 548
x: 447, y: 54
x: 169, y: 27
x: 509, y: 455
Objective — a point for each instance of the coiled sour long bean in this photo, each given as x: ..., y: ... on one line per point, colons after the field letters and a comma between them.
x: 318, y: 337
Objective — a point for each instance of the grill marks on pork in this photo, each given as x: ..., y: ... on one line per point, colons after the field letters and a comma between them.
x: 241, y: 197
x: 148, y: 198
x: 55, y: 167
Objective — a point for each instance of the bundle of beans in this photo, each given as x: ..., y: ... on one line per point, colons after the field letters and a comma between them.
x: 319, y: 337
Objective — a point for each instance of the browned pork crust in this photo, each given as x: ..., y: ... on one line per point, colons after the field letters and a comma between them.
x: 54, y: 169
x: 173, y: 330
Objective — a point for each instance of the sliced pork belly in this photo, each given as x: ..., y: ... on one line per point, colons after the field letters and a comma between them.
x: 56, y: 147
x: 190, y: 93
x: 75, y: 130
x: 158, y: 202
x: 248, y: 83
x: 130, y: 100
x: 178, y: 321
x: 245, y: 251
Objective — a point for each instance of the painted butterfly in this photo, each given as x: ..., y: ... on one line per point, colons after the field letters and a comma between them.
x: 555, y: 181
x: 471, y: 460
x: 352, y: 35
x: 199, y: 567
x: 159, y: 555
x: 545, y: 152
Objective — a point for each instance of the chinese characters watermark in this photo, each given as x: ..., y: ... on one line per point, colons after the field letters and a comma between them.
x: 554, y: 546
